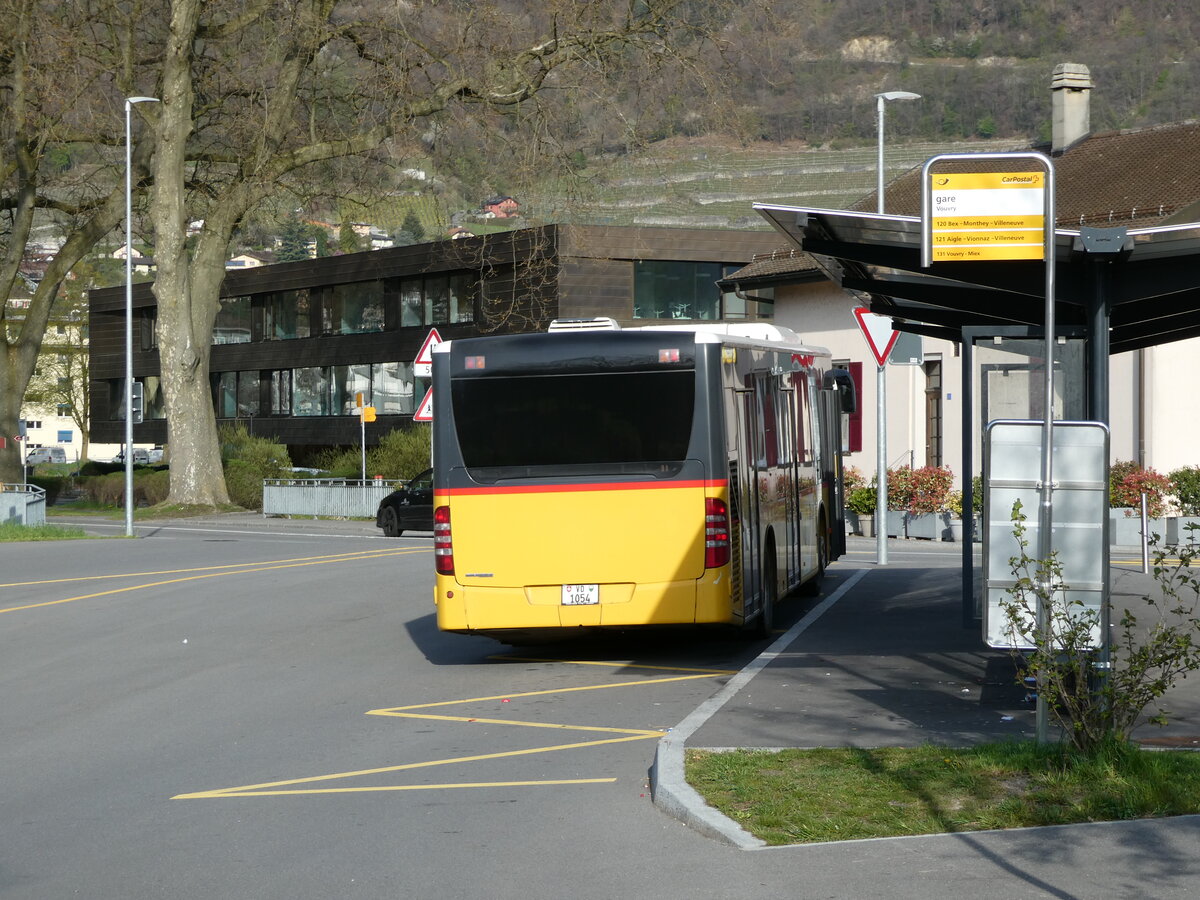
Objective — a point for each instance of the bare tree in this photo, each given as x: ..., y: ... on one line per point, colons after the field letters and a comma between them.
x: 57, y: 194
x: 253, y: 94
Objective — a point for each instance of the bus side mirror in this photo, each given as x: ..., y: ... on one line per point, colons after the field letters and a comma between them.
x: 839, y: 380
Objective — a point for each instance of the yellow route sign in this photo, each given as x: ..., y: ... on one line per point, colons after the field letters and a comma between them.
x: 981, y: 216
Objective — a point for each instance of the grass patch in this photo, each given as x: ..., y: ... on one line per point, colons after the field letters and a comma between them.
x: 13, y: 532
x: 805, y: 796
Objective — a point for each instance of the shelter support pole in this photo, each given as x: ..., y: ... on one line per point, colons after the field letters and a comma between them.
x: 970, y: 619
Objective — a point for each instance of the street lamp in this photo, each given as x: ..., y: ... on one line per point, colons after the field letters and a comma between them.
x: 880, y: 102
x: 881, y: 556
x: 129, y: 101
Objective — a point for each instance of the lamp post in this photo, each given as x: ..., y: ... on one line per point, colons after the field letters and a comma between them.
x: 881, y: 531
x: 129, y: 102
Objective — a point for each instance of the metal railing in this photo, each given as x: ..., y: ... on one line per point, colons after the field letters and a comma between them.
x: 331, y: 497
x: 22, y: 504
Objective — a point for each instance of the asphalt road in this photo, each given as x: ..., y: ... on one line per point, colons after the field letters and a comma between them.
x: 240, y: 708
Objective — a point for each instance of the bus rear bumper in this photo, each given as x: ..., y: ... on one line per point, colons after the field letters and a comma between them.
x: 472, y: 608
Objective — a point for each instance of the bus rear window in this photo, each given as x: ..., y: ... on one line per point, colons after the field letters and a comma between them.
x: 634, y: 422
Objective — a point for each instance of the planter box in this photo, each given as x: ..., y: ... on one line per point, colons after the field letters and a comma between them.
x: 1126, y: 531
x: 857, y: 523
x: 929, y: 526
x: 896, y: 521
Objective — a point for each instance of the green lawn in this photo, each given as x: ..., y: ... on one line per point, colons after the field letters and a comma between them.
x: 805, y: 796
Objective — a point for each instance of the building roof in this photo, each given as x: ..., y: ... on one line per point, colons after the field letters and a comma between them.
x: 1132, y: 179
x: 786, y: 263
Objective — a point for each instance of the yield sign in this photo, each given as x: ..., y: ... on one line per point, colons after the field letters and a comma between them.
x: 423, y: 365
x: 878, y: 331
x: 424, y: 412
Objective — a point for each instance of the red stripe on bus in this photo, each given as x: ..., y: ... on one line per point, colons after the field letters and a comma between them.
x: 588, y: 486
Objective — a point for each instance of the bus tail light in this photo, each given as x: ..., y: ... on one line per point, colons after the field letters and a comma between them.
x: 716, y: 533
x: 443, y: 551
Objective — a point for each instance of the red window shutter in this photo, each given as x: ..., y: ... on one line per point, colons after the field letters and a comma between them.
x: 856, y: 374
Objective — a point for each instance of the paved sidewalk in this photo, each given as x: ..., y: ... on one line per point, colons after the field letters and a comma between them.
x: 881, y: 660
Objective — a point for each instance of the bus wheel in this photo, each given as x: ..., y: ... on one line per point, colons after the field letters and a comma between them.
x: 812, y: 587
x: 765, y: 624
x: 391, y: 523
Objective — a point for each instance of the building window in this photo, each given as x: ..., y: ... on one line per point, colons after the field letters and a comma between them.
x: 310, y: 391
x: 232, y: 325
x: 237, y: 395
x: 437, y: 300
x: 287, y: 315
x: 64, y: 409
x: 392, y: 387
x: 355, y: 308
x: 675, y: 290
x: 281, y: 392
x: 348, y: 383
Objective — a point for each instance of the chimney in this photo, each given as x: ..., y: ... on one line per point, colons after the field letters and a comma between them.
x: 1070, y: 102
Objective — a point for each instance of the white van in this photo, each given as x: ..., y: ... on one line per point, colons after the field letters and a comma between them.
x: 46, y: 455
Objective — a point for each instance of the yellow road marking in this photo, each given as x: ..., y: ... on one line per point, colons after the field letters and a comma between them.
x: 395, y: 787
x: 250, y: 569
x: 359, y: 554
x: 281, y: 788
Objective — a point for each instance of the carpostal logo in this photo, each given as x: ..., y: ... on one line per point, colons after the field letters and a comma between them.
x: 1031, y: 178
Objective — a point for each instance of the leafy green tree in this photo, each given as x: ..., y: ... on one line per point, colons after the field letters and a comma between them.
x: 294, y: 240
x: 347, y: 240
x: 412, y: 224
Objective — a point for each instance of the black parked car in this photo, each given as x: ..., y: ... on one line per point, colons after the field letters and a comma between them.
x: 408, y: 509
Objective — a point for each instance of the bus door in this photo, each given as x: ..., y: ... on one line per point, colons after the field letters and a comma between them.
x: 748, y: 439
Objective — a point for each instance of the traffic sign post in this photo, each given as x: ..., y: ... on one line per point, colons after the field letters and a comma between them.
x: 978, y: 216
x: 881, y: 338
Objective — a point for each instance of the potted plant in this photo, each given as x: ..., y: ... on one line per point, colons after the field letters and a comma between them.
x: 954, y: 526
x: 928, y: 492
x: 1127, y: 482
x: 899, y: 496
x: 860, y: 503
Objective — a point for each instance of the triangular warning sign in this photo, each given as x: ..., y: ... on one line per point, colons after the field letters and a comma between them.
x: 878, y: 331
x: 424, y: 412
x: 423, y: 364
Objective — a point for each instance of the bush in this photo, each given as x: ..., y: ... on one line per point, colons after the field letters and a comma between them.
x: 402, y: 453
x: 1185, y: 485
x: 852, y: 479
x: 862, y: 500
x: 899, y: 487
x: 1127, y: 481
x: 248, y: 460
x: 918, y: 491
x: 150, y: 487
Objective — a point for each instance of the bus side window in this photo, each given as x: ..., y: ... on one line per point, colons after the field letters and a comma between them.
x: 800, y: 383
x: 770, y: 424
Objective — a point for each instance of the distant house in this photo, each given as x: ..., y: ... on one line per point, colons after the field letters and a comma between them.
x: 250, y: 260
x: 143, y: 265
x: 501, y: 208
x: 458, y: 232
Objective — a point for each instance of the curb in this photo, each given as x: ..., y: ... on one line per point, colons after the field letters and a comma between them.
x: 669, y: 789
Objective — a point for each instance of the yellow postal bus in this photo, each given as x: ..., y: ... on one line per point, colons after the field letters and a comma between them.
x: 598, y: 477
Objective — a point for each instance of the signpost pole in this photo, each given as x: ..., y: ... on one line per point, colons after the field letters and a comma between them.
x: 968, y: 216
x: 881, y: 338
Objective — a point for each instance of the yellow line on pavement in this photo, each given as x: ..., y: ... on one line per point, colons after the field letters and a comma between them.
x: 251, y: 569
x: 233, y: 792
x: 402, y: 710
x: 609, y: 664
x: 359, y: 554
x: 275, y: 785
x: 278, y: 788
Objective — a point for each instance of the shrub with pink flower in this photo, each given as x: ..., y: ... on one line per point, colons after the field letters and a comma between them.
x: 1127, y: 482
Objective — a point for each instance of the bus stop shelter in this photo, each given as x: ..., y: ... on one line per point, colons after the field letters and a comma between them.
x: 1116, y: 289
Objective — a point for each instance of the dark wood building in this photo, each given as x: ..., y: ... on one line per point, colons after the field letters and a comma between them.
x: 295, y: 342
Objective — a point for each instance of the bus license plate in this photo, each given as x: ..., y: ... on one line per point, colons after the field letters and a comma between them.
x: 580, y: 594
